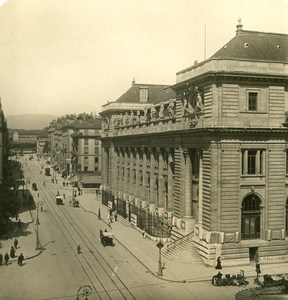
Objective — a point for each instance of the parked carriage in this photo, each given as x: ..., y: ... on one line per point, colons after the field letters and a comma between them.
x: 34, y: 186
x: 106, y: 238
x: 59, y: 200
x: 75, y: 202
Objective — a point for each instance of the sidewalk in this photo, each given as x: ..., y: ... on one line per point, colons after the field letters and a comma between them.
x: 25, y: 235
x: 148, y: 253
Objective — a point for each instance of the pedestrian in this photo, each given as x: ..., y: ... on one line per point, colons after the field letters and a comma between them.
x: 41, y: 209
x: 70, y: 202
x: 66, y: 183
x: 115, y: 216
x: 12, y: 252
x: 111, y: 218
x: 55, y: 180
x: 63, y: 183
x: 19, y: 224
x: 20, y: 259
x: 15, y: 243
x: 44, y: 183
x: 99, y: 213
x: 1, y: 259
x: 38, y: 195
x: 218, y: 265
x: 144, y: 234
x: 6, y: 258
x: 63, y: 196
x: 78, y: 249
x: 257, y: 268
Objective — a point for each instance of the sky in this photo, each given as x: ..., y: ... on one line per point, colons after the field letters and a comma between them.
x: 73, y: 56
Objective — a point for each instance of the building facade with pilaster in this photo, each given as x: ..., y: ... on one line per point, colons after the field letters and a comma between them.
x: 213, y: 162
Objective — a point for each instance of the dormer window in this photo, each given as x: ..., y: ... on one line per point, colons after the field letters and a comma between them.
x: 143, y: 95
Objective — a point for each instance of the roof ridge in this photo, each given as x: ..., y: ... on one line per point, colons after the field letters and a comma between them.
x: 261, y: 32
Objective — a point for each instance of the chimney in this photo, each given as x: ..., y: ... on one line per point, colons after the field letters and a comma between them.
x: 133, y: 81
x: 239, y: 27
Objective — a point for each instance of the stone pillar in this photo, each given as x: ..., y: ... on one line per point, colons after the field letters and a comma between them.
x: 144, y: 191
x: 125, y: 165
x: 200, y: 213
x: 170, y: 166
x: 152, y: 176
x: 121, y: 175
x: 161, y: 183
x: 188, y: 184
x: 138, y: 185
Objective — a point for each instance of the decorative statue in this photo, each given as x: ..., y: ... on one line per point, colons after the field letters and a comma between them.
x: 138, y: 116
x: 161, y: 111
x: 126, y: 117
x: 153, y: 113
x: 199, y: 101
x: 171, y: 108
x: 131, y: 118
x: 146, y: 115
x: 188, y: 109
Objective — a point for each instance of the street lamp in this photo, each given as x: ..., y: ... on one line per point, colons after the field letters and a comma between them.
x: 38, y: 245
x: 84, y: 290
x: 160, y: 267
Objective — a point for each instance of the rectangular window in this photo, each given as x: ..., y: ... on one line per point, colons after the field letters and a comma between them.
x: 86, y: 141
x: 96, y: 160
x: 85, y: 169
x: 143, y: 95
x: 96, y: 151
x: 252, y: 101
x: 253, y: 162
x: 86, y: 150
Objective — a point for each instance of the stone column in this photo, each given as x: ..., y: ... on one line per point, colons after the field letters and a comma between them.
x: 138, y: 185
x: 170, y: 166
x: 161, y: 182
x: 152, y: 176
x: 125, y: 165
x: 144, y: 190
x: 200, y: 213
x: 188, y: 184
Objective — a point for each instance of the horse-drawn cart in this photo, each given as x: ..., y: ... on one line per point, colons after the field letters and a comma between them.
x: 106, y: 238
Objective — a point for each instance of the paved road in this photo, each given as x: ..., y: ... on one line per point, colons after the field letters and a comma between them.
x: 126, y: 271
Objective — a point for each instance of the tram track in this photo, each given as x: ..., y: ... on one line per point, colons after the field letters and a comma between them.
x: 91, y: 260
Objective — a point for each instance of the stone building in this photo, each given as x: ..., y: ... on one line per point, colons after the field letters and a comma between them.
x: 86, y: 154
x: 216, y: 167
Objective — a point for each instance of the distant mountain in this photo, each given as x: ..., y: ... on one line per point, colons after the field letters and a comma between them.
x: 29, y: 121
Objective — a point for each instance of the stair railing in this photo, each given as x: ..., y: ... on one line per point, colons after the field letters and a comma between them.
x: 175, y: 243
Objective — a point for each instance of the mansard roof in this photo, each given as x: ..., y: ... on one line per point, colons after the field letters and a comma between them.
x: 254, y: 45
x: 132, y: 95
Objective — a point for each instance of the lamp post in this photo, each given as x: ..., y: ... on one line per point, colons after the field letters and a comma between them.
x: 38, y: 246
x: 160, y: 267
x: 84, y: 291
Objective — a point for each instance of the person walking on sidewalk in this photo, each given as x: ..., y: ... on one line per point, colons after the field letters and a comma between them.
x: 6, y: 258
x: 20, y: 259
x: 15, y: 243
x: 1, y: 259
x: 78, y: 249
x: 12, y: 252
x: 218, y: 265
x: 99, y: 213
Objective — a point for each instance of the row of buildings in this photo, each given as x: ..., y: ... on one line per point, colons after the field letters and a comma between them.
x: 4, y: 140
x: 73, y: 143
x: 205, y: 158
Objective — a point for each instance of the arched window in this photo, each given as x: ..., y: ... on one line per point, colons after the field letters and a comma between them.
x: 250, y: 217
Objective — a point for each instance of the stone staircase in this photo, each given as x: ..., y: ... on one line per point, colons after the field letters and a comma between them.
x: 181, y: 249
x: 256, y: 292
